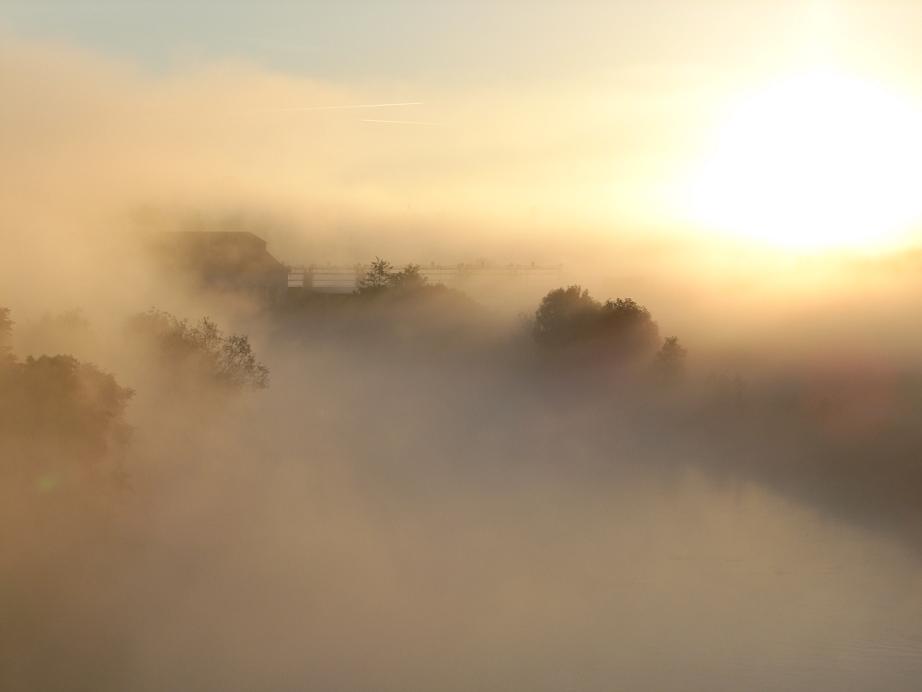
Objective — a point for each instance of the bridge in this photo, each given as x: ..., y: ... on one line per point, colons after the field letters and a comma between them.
x: 329, y: 278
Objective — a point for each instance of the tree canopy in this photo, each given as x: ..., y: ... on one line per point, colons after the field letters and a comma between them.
x: 617, y: 331
x: 57, y: 412
x: 381, y: 277
x: 570, y: 316
x: 202, y: 350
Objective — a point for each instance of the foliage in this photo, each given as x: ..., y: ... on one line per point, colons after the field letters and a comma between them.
x: 408, y: 279
x: 389, y: 306
x: 377, y: 278
x: 381, y: 277
x: 55, y: 411
x: 569, y: 318
x: 566, y: 315
x: 670, y: 359
x: 202, y: 349
x: 60, y: 409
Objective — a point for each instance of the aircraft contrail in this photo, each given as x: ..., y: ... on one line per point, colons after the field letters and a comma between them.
x: 397, y: 122
x: 356, y: 106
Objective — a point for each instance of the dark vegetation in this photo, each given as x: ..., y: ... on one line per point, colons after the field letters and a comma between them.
x: 577, y: 349
x: 382, y: 279
x: 580, y: 330
x: 200, y: 354
x: 63, y: 420
x: 391, y: 307
x: 65, y: 407
x: 824, y: 429
x: 570, y: 329
x: 60, y: 419
x: 579, y: 396
x: 57, y: 410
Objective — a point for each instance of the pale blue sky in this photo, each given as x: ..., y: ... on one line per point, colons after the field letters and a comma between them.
x: 489, y: 41
x: 416, y: 40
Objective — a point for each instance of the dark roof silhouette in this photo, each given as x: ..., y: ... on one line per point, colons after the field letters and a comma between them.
x: 223, y: 260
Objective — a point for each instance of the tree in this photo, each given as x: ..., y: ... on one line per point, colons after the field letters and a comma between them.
x: 409, y: 278
x: 377, y: 278
x: 381, y: 277
x: 237, y: 364
x: 565, y: 315
x: 55, y: 410
x: 57, y: 415
x: 202, y: 350
x: 569, y: 318
x: 670, y: 360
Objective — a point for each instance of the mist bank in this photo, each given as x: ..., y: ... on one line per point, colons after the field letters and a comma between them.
x: 97, y: 148
x: 402, y: 510
x: 828, y: 423
x: 416, y: 488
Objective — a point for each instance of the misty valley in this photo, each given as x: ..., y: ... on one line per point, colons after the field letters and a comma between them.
x: 473, y: 346
x: 404, y: 487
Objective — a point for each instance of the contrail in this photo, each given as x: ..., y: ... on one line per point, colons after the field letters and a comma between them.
x: 397, y: 122
x: 360, y: 105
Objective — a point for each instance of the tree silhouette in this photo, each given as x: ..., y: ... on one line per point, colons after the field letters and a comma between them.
x: 381, y: 277
x: 202, y: 350
x: 670, y: 359
x: 569, y: 318
x: 377, y: 278
x: 410, y: 278
x: 57, y: 413
x: 565, y: 315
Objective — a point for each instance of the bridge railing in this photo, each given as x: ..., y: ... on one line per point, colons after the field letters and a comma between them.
x: 345, y: 279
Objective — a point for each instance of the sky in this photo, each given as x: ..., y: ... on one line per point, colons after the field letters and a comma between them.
x: 538, y: 117
x: 748, y: 170
x: 473, y: 41
x: 362, y: 39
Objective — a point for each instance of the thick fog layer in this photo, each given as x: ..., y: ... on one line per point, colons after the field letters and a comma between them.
x: 427, y: 492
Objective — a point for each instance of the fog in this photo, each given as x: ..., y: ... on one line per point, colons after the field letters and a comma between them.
x: 423, y: 498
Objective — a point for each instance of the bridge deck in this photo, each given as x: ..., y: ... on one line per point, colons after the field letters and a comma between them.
x: 345, y: 279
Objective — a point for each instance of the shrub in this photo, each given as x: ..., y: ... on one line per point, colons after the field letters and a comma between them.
x: 202, y: 350
x: 570, y: 319
x: 55, y: 410
x: 381, y: 277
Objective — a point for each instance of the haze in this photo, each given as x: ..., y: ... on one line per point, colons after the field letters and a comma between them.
x: 658, y: 430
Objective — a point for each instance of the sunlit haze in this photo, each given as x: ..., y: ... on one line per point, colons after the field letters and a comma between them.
x: 463, y: 346
x: 816, y: 160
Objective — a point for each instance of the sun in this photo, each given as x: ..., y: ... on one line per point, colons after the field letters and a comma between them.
x: 814, y: 161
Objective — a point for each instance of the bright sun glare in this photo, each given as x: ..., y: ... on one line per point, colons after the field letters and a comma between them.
x: 817, y: 161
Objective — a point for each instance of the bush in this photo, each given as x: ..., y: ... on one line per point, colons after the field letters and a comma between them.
x: 58, y: 416
x: 569, y: 318
x: 581, y: 331
x: 377, y: 278
x: 390, y: 308
x: 202, y: 351
x: 56, y: 411
x: 381, y: 277
x: 670, y: 359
